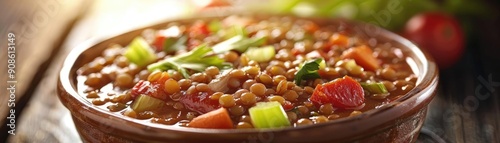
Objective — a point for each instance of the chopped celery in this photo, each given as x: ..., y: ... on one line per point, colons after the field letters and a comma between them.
x: 197, y: 59
x: 146, y: 103
x: 238, y: 43
x: 262, y: 54
x: 353, y: 68
x: 139, y: 52
x: 308, y: 71
x: 376, y: 88
x: 268, y: 115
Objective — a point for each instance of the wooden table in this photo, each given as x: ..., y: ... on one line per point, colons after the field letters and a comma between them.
x: 40, y: 29
x: 466, y: 109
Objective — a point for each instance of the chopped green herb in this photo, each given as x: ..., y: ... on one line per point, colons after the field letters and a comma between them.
x: 238, y: 43
x: 308, y: 71
x: 376, y: 88
x: 268, y: 115
x: 173, y: 44
x: 197, y: 59
x: 262, y: 54
x: 139, y: 52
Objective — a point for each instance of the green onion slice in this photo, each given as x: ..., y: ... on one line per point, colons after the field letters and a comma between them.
x: 238, y: 43
x: 375, y: 88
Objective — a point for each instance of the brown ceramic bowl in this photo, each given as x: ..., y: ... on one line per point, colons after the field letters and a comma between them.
x: 399, y: 121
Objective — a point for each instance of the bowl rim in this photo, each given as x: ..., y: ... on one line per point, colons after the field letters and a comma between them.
x: 426, y: 82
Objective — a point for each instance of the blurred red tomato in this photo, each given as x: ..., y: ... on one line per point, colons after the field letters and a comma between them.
x: 439, y: 34
x: 212, y: 3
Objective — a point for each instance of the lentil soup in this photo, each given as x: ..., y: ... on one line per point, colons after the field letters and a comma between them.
x: 241, y: 72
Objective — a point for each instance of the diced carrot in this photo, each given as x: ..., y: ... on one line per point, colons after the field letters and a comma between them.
x: 339, y: 39
x: 363, y: 56
x: 310, y: 27
x: 217, y: 119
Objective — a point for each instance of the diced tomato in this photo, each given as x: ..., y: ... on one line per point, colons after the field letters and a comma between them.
x: 363, y: 55
x: 166, y: 36
x: 151, y: 89
x: 200, y: 102
x: 287, y: 106
x: 159, y: 42
x: 139, y: 88
x: 318, y: 97
x: 193, y: 43
x: 199, y: 28
x: 341, y: 93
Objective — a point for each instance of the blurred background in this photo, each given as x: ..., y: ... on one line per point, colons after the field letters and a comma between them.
x: 462, y: 35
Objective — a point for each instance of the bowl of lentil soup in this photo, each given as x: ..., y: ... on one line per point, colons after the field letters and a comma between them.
x: 243, y: 78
